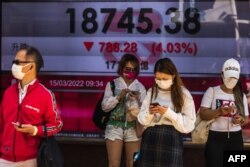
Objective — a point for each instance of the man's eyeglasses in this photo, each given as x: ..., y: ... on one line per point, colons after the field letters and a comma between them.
x: 18, y: 62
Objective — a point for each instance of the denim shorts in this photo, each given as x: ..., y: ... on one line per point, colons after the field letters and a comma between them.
x: 127, y: 135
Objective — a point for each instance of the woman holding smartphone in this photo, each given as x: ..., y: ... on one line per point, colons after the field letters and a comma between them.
x: 227, y: 104
x: 167, y: 111
x: 124, y: 106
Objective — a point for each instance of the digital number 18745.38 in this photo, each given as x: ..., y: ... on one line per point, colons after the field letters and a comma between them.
x: 123, y: 21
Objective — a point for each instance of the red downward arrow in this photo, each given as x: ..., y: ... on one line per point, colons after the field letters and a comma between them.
x: 88, y: 45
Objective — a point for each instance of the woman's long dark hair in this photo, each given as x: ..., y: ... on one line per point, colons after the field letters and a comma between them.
x: 166, y: 66
x: 238, y: 96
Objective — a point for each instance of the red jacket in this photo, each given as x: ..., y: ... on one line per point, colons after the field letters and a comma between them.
x: 37, y: 107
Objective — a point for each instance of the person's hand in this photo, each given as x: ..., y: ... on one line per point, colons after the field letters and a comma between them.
x: 135, y: 94
x: 153, y: 109
x: 122, y: 94
x: 26, y: 128
x: 162, y: 109
x: 237, y: 119
x: 225, y: 110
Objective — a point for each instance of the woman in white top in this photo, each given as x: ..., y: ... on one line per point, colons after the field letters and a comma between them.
x: 167, y: 111
x: 227, y: 104
x: 124, y: 107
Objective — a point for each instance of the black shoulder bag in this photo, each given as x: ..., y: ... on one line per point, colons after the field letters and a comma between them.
x: 49, y: 153
x: 100, y: 117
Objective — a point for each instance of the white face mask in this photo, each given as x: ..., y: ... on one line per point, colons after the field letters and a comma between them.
x: 230, y: 82
x: 17, y: 71
x: 164, y: 84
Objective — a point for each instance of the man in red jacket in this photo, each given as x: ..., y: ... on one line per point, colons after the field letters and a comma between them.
x: 26, y: 106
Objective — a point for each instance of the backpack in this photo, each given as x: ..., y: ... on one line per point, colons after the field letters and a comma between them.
x: 100, y: 117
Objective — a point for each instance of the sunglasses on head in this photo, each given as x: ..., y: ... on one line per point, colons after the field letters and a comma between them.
x: 18, y: 62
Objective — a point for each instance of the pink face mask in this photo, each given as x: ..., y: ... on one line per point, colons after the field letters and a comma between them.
x: 129, y: 75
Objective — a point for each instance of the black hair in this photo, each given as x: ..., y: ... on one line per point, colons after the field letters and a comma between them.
x: 35, y: 55
x: 128, y: 58
x: 238, y: 96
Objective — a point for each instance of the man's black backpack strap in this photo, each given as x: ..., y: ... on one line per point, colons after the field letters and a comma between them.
x: 100, y: 117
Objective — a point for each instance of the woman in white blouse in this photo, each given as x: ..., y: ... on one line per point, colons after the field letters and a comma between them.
x: 167, y: 111
x: 124, y: 106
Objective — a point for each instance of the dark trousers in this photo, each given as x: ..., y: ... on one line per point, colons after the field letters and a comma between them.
x: 217, y: 143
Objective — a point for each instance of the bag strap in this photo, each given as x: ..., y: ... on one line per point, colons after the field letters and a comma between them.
x: 152, y: 94
x: 112, y: 85
x: 213, y: 94
x: 45, y: 132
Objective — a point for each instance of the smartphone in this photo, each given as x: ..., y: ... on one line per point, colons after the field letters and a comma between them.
x: 17, y: 124
x: 155, y: 104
